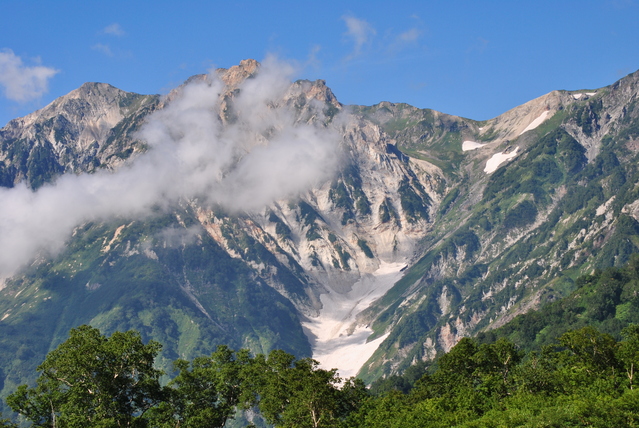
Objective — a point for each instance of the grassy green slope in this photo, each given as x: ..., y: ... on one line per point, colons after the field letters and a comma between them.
x: 538, y: 225
x: 189, y: 295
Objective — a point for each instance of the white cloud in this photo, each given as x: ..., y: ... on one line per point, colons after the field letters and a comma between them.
x: 361, y: 33
x: 114, y: 29
x: 20, y: 82
x: 479, y: 46
x: 409, y: 36
x: 262, y: 156
x: 105, y: 49
x: 174, y: 237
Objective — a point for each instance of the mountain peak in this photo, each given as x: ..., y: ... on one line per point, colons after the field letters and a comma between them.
x: 238, y: 73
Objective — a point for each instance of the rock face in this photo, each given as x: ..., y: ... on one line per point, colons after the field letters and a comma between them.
x: 433, y: 228
x: 87, y: 129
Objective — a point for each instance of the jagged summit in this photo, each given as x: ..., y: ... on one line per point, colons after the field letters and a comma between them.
x: 432, y: 228
x: 74, y: 133
x: 238, y: 73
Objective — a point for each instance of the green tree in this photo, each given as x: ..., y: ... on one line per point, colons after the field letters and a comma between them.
x: 206, y: 392
x: 93, y: 380
x: 299, y: 393
x: 628, y: 352
x: 593, y: 349
x: 6, y: 423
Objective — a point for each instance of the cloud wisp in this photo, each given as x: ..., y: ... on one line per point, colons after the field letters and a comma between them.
x: 409, y: 36
x: 114, y: 29
x: 20, y: 82
x: 105, y: 49
x: 260, y: 155
x: 360, y: 32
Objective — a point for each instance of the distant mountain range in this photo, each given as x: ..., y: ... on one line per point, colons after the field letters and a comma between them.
x: 246, y: 210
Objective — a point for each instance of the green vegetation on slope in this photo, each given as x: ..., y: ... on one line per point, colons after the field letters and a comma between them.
x: 91, y: 380
x: 186, y: 293
x: 586, y: 378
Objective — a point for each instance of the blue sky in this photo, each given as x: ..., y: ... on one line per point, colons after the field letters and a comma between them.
x: 470, y: 58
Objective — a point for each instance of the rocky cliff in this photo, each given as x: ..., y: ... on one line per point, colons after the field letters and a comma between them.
x: 420, y: 227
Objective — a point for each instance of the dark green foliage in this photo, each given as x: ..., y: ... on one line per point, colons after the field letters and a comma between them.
x: 448, y: 201
x: 42, y: 165
x: 206, y: 392
x: 606, y: 300
x: 421, y: 133
x: 621, y: 245
x: 340, y: 197
x: 344, y: 257
x: 365, y: 248
x: 584, y: 381
x: 312, y: 234
x: 300, y: 394
x: 387, y: 212
x: 462, y: 239
x: 7, y: 174
x: 281, y: 229
x: 588, y: 116
x: 578, y: 197
x: 539, y: 170
x: 520, y: 215
x: 95, y: 381
x: 403, y: 383
x: 571, y: 154
x: 308, y: 213
x: 118, y: 291
x: 347, y: 194
x: 92, y: 380
x: 415, y: 201
x: 309, y: 217
x: 586, y: 378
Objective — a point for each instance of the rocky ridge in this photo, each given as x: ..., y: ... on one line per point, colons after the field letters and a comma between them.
x: 463, y: 247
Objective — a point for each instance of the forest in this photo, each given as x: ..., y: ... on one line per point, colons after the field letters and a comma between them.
x: 572, y: 363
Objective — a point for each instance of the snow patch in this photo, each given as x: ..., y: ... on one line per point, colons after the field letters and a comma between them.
x: 497, y: 159
x: 578, y: 96
x: 535, y: 123
x: 471, y: 145
x: 336, y: 341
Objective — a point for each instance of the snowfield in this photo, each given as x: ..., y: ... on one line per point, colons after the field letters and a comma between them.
x: 535, y: 123
x: 334, y: 345
x: 497, y: 159
x: 470, y: 145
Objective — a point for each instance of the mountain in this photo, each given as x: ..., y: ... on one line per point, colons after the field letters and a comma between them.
x: 369, y: 237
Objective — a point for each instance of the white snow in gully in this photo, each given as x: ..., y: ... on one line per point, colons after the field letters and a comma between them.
x: 334, y: 345
x: 535, y: 123
x: 471, y: 145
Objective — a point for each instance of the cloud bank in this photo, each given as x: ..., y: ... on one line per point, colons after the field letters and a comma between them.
x: 20, y: 82
x: 197, y: 151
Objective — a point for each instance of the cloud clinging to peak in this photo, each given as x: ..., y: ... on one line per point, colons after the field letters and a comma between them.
x: 20, y: 82
x: 260, y: 155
